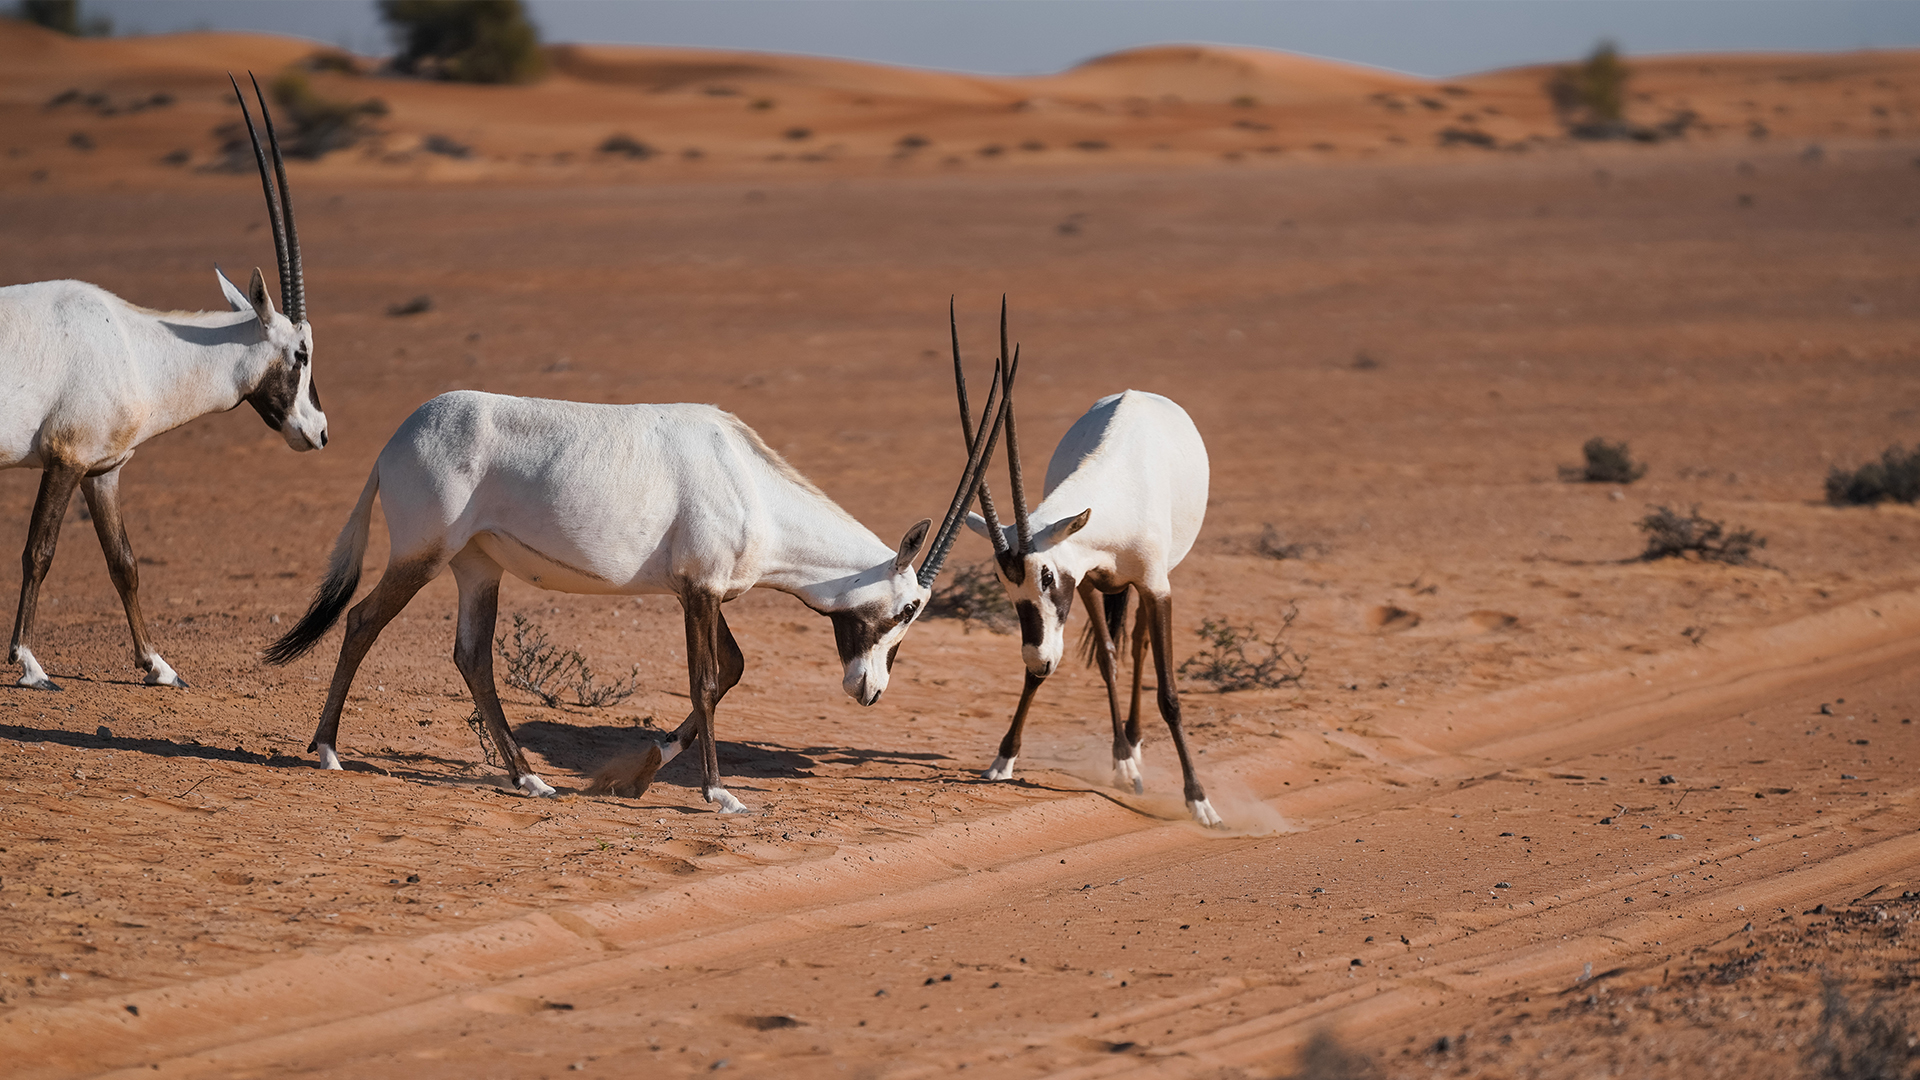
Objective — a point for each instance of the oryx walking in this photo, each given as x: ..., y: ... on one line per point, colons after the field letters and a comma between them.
x: 1125, y: 493
x: 86, y: 377
x: 624, y: 500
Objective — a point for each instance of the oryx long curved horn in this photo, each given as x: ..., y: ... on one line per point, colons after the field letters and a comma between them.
x: 966, y: 430
x: 293, y: 280
x: 266, y: 187
x: 1022, y: 524
x: 978, y: 455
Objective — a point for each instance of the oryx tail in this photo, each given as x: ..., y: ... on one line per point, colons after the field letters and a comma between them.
x: 343, y: 577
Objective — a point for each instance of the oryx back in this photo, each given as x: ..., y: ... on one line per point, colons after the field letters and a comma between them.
x: 1136, y: 459
x: 588, y: 498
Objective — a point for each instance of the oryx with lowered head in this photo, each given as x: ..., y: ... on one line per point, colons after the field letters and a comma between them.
x: 621, y: 500
x: 1125, y: 493
x: 88, y: 377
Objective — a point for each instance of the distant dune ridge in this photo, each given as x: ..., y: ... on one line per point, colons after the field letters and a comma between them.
x: 147, y: 108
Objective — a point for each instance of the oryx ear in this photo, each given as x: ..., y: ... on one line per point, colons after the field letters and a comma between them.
x: 257, y: 297
x: 979, y: 525
x: 910, y: 545
x: 236, y: 299
x: 1060, y: 530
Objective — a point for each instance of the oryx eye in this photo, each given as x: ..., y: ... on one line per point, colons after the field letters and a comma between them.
x: 300, y: 355
x: 907, y: 613
x: 1046, y: 579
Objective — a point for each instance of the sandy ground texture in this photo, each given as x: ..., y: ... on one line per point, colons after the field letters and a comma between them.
x: 1567, y: 810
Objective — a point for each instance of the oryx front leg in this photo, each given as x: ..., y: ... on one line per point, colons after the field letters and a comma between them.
x: 103, y: 502
x: 43, y: 534
x: 1002, y: 768
x: 714, y: 665
x: 1126, y: 745
x: 1159, y: 611
x: 402, y: 579
x: 479, y: 580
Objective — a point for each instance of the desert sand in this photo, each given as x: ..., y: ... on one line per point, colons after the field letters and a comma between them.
x: 1537, y: 808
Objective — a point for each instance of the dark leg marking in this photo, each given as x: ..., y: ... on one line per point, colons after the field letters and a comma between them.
x: 1010, y: 745
x: 478, y: 578
x: 1107, y: 656
x: 630, y: 776
x: 1158, y: 610
x: 364, y: 623
x: 43, y: 534
x: 103, y: 502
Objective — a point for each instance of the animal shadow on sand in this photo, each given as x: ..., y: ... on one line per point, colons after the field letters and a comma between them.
x: 582, y: 748
x: 103, y: 738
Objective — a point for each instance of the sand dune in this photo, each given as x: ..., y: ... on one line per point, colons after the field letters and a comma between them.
x: 707, y: 113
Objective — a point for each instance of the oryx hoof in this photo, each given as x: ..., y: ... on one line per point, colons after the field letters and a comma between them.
x: 1002, y: 769
x: 728, y: 804
x: 1126, y: 773
x: 162, y: 675
x: 535, y: 787
x: 329, y: 760
x: 32, y: 676
x: 1203, y: 812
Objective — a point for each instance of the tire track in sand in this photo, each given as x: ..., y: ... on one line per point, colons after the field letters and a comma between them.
x: 315, y: 1007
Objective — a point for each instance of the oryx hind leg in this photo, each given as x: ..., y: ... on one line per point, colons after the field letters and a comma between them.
x: 404, y: 577
x: 102, y: 493
x: 630, y: 775
x: 43, y: 534
x: 1126, y: 750
x: 478, y: 577
x: 1158, y: 612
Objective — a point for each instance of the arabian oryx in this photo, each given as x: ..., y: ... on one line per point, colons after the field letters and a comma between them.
x: 88, y: 377
x: 1126, y: 491
x: 622, y: 500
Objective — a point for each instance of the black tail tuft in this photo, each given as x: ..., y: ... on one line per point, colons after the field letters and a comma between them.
x: 1114, y: 606
x: 329, y: 600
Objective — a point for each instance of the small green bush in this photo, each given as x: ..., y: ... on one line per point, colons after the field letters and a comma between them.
x: 1670, y: 535
x: 480, y: 41
x: 1607, y: 463
x: 1894, y: 478
x: 1593, y: 92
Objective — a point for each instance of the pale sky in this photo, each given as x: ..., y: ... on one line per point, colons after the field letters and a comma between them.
x: 1424, y: 37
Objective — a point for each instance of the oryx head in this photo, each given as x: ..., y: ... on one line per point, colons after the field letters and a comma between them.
x: 1040, y: 587
x: 879, y: 604
x: 285, y: 396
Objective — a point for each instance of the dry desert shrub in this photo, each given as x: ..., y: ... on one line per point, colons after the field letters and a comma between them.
x: 1325, y: 1057
x: 1869, y: 1043
x: 1224, y: 662
x: 544, y: 670
x: 1607, y: 463
x: 1894, y: 478
x: 1671, y: 535
x: 974, y: 595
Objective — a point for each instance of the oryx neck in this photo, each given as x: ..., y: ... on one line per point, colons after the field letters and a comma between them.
x: 209, y: 360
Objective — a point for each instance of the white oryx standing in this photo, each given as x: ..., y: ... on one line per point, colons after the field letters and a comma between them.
x: 622, y: 500
x: 1126, y: 492
x: 86, y: 377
